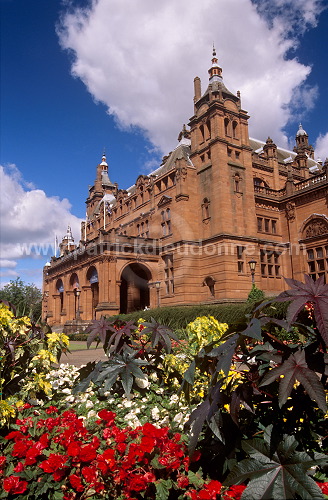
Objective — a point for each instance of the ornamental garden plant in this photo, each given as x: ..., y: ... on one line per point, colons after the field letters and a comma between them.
x: 217, y: 411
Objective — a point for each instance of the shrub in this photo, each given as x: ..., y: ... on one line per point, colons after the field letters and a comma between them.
x: 26, y: 356
x: 255, y: 294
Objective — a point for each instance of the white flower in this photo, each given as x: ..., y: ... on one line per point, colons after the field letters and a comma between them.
x: 89, y: 404
x: 174, y: 399
x: 155, y: 413
x: 67, y: 390
x: 91, y: 413
x: 69, y: 399
x: 178, y: 418
x: 143, y: 383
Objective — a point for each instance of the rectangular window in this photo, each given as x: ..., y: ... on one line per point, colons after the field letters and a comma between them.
x: 259, y: 224
x: 240, y: 259
x: 270, y: 263
x: 318, y: 262
x: 273, y: 226
x: 168, y: 274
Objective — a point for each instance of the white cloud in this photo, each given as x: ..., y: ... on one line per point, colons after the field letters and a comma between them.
x: 140, y: 58
x: 321, y: 147
x: 29, y: 220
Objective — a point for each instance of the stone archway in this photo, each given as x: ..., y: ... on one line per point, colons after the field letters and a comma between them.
x: 134, y: 292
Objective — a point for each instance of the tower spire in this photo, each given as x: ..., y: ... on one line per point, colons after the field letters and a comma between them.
x: 215, y: 71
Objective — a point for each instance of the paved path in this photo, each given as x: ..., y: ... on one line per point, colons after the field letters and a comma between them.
x: 81, y: 357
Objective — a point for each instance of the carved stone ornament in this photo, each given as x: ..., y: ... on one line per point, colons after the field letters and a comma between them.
x: 181, y: 173
x: 316, y: 227
x: 290, y: 210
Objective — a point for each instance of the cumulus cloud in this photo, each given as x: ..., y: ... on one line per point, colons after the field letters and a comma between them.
x: 140, y: 58
x: 29, y: 221
x: 321, y: 147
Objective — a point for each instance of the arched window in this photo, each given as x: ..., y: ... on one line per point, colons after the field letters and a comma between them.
x: 227, y: 126
x: 259, y: 184
x: 234, y: 129
x: 206, y: 208
x: 237, y: 183
x: 315, y: 235
x: 210, y: 283
x: 208, y: 125
x: 201, y: 128
x: 60, y: 291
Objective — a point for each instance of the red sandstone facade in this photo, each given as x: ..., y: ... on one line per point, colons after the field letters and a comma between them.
x: 185, y: 233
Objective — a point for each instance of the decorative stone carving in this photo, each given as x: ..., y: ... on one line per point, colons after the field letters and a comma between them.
x: 181, y: 173
x: 290, y: 210
x: 316, y: 227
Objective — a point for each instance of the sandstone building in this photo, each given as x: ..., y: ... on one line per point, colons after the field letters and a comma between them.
x: 186, y: 233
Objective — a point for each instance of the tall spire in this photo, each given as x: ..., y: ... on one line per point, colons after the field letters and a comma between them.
x: 215, y: 71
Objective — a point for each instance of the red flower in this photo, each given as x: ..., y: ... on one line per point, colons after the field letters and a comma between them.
x: 51, y: 409
x: 53, y: 463
x: 137, y: 483
x: 73, y: 449
x: 234, y: 492
x: 12, y: 484
x: 183, y: 482
x: 75, y: 481
x: 108, y: 416
x: 19, y: 467
x: 59, y: 474
x: 88, y: 453
x: 106, y: 461
x: 89, y: 474
x: 323, y: 487
x: 2, y: 460
x: 21, y: 447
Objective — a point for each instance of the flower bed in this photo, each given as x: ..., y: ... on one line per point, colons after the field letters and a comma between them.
x: 216, y: 413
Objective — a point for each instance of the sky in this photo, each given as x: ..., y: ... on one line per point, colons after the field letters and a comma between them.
x: 80, y: 77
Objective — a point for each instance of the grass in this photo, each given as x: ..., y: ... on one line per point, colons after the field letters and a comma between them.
x: 81, y: 346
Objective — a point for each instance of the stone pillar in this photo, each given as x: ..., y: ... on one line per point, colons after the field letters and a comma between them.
x: 70, y: 304
x: 86, y: 303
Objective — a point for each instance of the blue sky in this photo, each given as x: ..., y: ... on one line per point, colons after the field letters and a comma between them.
x: 78, y: 77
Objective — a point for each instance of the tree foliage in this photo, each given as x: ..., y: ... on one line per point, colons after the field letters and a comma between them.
x: 26, y: 298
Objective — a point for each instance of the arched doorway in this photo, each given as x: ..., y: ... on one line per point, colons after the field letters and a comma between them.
x: 134, y: 293
x: 92, y: 277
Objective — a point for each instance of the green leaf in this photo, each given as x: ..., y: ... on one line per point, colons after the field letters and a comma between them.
x: 224, y: 354
x: 163, y: 487
x: 296, y: 368
x: 195, y: 479
x: 253, y: 329
x: 282, y: 475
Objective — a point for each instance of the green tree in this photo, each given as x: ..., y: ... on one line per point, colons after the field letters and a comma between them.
x: 26, y: 298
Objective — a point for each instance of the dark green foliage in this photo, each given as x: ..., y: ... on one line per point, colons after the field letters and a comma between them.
x: 278, y: 383
x: 26, y: 298
x: 78, y: 336
x: 128, y: 348
x: 178, y: 317
x: 276, y: 471
x: 255, y: 294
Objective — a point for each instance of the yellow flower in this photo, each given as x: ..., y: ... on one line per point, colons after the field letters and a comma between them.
x: 6, y: 411
x: 41, y: 383
x: 44, y: 355
x: 54, y: 338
